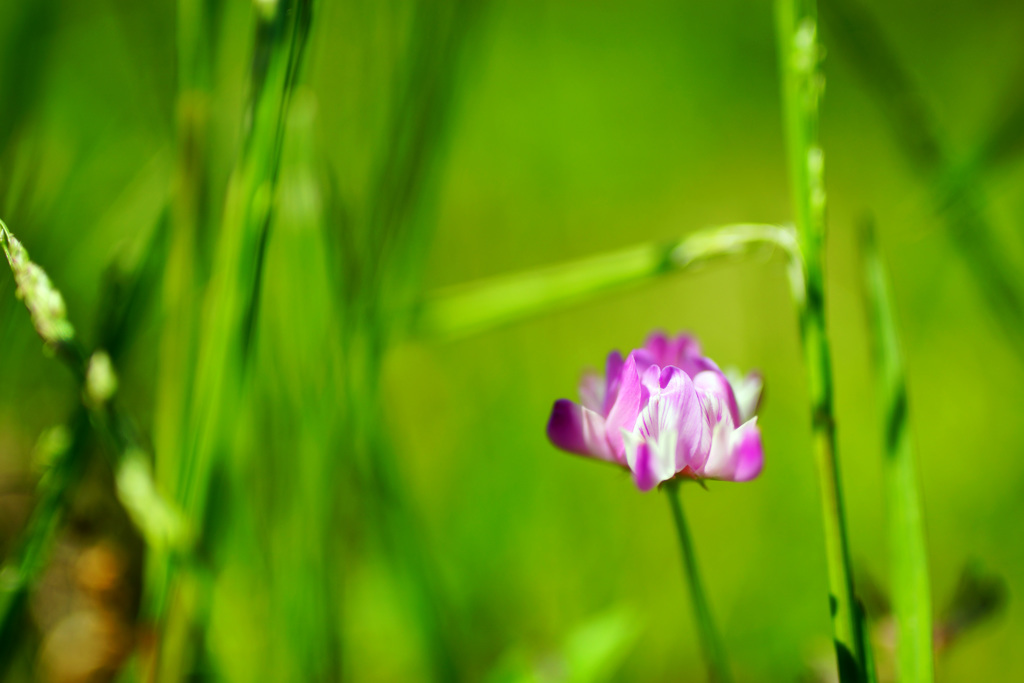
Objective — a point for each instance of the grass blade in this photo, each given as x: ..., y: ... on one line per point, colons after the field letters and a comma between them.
x: 911, y: 586
x: 206, y: 384
x: 232, y: 296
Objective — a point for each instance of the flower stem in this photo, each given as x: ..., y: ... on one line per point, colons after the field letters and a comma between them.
x: 711, y: 643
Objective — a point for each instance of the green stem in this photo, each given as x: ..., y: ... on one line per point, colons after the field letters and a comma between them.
x: 711, y: 643
x: 210, y: 396
x: 908, y: 552
x: 802, y: 84
x: 231, y: 299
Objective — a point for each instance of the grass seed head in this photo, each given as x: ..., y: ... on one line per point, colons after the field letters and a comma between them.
x: 44, y: 301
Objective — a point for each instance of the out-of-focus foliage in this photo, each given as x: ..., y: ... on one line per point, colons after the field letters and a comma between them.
x: 387, y: 506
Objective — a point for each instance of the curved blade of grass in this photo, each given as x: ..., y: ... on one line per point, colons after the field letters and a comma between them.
x: 477, y: 307
x: 911, y: 586
x: 189, y: 218
x: 801, y: 88
x: 1003, y: 141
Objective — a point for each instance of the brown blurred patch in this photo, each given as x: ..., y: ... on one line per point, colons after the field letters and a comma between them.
x: 84, y: 608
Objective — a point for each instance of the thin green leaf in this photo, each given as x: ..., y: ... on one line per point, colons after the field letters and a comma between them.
x: 232, y: 297
x: 908, y: 554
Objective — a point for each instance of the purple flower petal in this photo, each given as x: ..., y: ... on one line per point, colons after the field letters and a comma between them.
x: 719, y: 464
x: 682, y: 347
x: 672, y: 423
x: 714, y: 382
x: 747, y: 451
x: 592, y: 391
x: 694, y: 365
x: 650, y: 378
x: 736, y: 453
x: 671, y: 350
x: 686, y: 416
x: 613, y: 378
x: 663, y: 411
x: 652, y: 460
x: 682, y: 351
x: 657, y: 343
x: 748, y: 391
x: 580, y: 430
x: 626, y: 408
x: 645, y: 360
x: 642, y: 468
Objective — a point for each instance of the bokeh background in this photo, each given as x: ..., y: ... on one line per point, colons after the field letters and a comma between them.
x: 573, y: 128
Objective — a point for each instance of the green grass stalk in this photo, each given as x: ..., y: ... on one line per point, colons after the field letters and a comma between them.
x: 224, y: 321
x: 295, y: 379
x: 908, y: 553
x: 232, y: 296
x: 801, y: 89
x: 188, y: 217
x: 710, y: 641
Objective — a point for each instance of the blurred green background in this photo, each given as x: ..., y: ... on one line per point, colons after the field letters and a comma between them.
x: 574, y: 128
